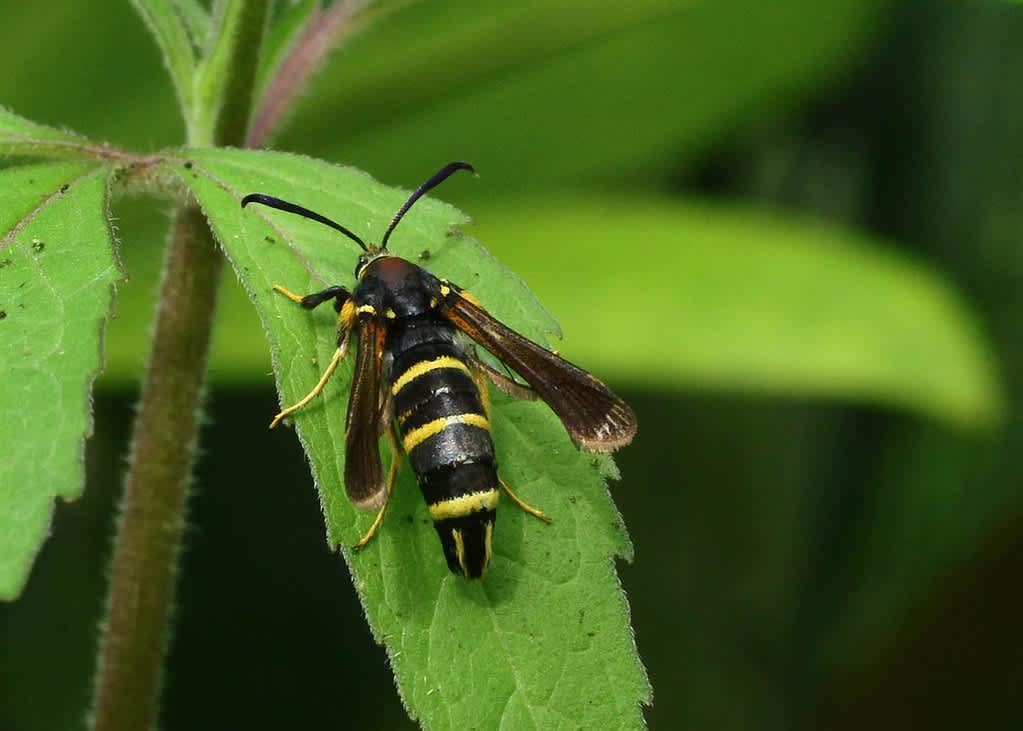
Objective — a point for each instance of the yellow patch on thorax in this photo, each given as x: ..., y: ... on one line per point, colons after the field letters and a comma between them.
x: 347, y: 315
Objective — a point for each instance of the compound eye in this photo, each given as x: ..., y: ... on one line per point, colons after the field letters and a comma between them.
x: 360, y: 265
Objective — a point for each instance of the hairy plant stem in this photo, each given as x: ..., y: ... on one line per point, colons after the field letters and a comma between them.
x: 152, y: 518
x: 150, y: 525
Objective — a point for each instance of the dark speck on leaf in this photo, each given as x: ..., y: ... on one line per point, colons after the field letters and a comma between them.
x: 572, y: 499
x: 64, y: 188
x: 425, y: 521
x: 5, y: 263
x: 424, y: 255
x: 3, y: 314
x: 188, y: 165
x: 409, y: 518
x: 269, y: 239
x: 38, y: 246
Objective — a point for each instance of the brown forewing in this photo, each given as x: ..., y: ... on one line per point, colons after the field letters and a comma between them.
x: 596, y: 419
x: 364, y: 474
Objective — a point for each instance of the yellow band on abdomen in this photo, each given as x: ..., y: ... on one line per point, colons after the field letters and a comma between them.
x: 425, y: 366
x: 458, y: 507
x: 420, y: 434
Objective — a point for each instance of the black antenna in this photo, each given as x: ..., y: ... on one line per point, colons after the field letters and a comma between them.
x: 436, y: 180
x: 268, y: 200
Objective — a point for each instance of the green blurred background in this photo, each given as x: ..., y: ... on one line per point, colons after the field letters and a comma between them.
x: 816, y: 547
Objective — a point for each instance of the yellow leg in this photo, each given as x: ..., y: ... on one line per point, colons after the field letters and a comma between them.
x: 338, y: 355
x: 288, y: 293
x: 392, y: 476
x: 522, y: 504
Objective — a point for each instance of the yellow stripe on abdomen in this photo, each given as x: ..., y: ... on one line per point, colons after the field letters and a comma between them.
x: 460, y: 550
x: 420, y: 434
x: 425, y: 366
x: 458, y: 507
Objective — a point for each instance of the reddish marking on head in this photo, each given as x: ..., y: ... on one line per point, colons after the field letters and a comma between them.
x: 393, y: 271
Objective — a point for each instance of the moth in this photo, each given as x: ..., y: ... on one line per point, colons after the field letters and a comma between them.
x: 420, y: 382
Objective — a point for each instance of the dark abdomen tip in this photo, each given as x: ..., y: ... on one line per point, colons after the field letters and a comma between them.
x: 467, y: 542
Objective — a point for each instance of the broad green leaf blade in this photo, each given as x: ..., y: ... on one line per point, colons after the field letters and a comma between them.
x: 741, y: 300
x: 559, y: 93
x: 730, y: 298
x: 172, y: 36
x: 57, y: 275
x: 19, y: 136
x: 544, y: 640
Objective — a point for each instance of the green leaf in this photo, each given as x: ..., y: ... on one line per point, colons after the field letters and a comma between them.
x: 57, y: 276
x: 736, y: 299
x: 741, y: 301
x: 161, y: 16
x: 544, y: 640
x: 556, y: 93
x: 19, y: 136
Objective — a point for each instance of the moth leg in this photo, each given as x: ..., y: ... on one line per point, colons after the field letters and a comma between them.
x: 309, y: 301
x: 484, y: 370
x: 508, y: 385
x: 392, y: 476
x: 522, y: 504
x: 331, y: 367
